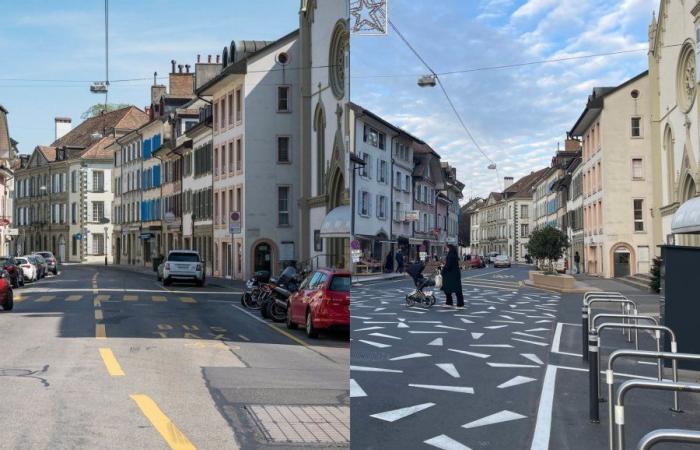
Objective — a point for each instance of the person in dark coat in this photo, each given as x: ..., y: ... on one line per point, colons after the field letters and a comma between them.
x: 399, y: 261
x: 389, y: 262
x: 452, y: 278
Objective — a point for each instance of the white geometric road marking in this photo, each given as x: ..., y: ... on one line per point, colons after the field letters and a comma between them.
x: 385, y: 336
x: 466, y: 320
x: 496, y: 327
x: 515, y: 381
x: 373, y: 369
x: 437, y: 341
x: 445, y: 443
x: 531, y: 330
x: 410, y: 356
x: 356, y: 390
x: 463, y: 390
x: 477, y: 335
x: 497, y: 321
x: 450, y: 328
x: 492, y: 345
x: 478, y: 355
x: 428, y: 332
x: 519, y: 366
x: 369, y: 328
x: 502, y: 416
x: 402, y: 325
x: 375, y: 344
x: 520, y: 333
x: 541, y: 344
x: 532, y: 357
x: 449, y: 368
x: 425, y: 321
x: 396, y: 414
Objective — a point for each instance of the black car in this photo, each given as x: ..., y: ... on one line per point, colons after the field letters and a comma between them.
x: 14, y: 272
x: 50, y: 261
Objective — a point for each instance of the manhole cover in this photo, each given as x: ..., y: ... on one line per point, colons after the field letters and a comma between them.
x: 308, y: 424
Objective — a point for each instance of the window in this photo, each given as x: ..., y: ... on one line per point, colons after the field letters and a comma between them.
x: 216, y: 116
x: 230, y: 109
x: 222, y: 118
x: 407, y: 185
x: 318, y: 242
x: 523, y: 212
x: 283, y: 149
x: 239, y: 115
x: 381, y: 206
x: 638, y: 215
x: 381, y: 172
x: 636, y: 127
x: 74, y: 213
x: 524, y: 230
x: 73, y: 182
x: 230, y: 157
x: 364, y: 203
x: 216, y: 161
x: 239, y: 154
x: 283, y: 205
x: 98, y: 211
x: 364, y: 171
x: 282, y: 98
x: 374, y: 137
x: 637, y: 169
x: 98, y: 244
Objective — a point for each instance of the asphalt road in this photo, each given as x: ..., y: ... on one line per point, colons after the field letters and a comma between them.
x: 503, y: 373
x: 103, y: 358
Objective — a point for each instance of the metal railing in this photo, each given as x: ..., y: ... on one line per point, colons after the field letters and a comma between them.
x: 668, y: 435
x: 626, y: 306
x: 587, y: 296
x: 635, y: 316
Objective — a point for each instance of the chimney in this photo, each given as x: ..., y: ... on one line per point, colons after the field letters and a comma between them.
x: 571, y: 145
x: 179, y: 68
x: 181, y: 83
x: 205, y: 71
x: 217, y: 58
x: 187, y: 68
x: 209, y: 59
x: 507, y: 182
x: 62, y: 126
x: 199, y: 58
x: 172, y: 63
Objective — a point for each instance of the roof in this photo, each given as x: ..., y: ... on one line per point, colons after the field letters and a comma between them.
x: 5, y: 144
x: 523, y: 187
x: 239, y: 66
x: 365, y: 112
x: 130, y: 117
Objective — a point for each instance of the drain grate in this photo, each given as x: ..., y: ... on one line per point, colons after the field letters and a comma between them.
x: 307, y: 424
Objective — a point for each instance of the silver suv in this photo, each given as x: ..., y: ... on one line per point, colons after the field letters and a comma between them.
x: 182, y: 265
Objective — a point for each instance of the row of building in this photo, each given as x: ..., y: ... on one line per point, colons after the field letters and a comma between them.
x: 628, y: 174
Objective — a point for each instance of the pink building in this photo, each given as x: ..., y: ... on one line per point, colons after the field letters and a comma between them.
x: 8, y: 150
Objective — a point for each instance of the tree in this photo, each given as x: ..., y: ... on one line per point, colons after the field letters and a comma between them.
x: 655, y: 282
x: 548, y: 244
x: 98, y: 108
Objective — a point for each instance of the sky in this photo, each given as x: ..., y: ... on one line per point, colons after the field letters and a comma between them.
x: 65, y: 41
x: 517, y: 116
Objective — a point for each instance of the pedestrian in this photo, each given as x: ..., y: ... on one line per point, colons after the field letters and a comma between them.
x: 389, y: 262
x: 577, y: 262
x: 399, y: 261
x: 452, y: 278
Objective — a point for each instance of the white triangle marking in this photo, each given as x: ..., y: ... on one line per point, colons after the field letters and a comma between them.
x: 410, y: 356
x: 532, y: 357
x: 445, y: 443
x: 460, y: 389
x: 450, y: 369
x: 373, y: 369
x: 375, y: 344
x: 515, y: 381
x: 477, y: 335
x: 385, y: 336
x: 396, y: 414
x: 478, y: 355
x: 402, y: 325
x: 356, y: 390
x: 496, y: 327
x: 466, y: 320
x: 437, y: 341
x: 369, y: 328
x: 502, y: 416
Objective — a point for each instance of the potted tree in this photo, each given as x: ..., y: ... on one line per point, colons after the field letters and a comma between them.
x: 548, y: 245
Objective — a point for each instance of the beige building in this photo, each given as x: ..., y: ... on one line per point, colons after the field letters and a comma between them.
x: 617, y: 179
x: 675, y: 114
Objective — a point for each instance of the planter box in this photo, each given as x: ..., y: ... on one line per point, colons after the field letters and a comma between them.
x: 559, y: 282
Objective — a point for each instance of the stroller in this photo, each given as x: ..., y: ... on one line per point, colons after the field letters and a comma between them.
x: 418, y: 295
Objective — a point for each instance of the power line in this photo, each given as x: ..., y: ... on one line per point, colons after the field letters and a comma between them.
x: 447, y: 96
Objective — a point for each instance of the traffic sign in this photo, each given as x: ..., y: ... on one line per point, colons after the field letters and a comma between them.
x: 355, y: 244
x: 234, y: 222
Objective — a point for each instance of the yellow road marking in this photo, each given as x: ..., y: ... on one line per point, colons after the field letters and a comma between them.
x: 73, y: 298
x: 96, y: 303
x: 111, y: 363
x: 98, y: 314
x: 187, y: 300
x: 172, y: 435
x: 158, y: 298
x: 100, y: 332
x: 130, y: 298
x: 45, y: 298
x: 102, y: 298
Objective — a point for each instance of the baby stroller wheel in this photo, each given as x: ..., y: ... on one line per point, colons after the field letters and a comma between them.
x: 409, y: 300
x: 430, y: 300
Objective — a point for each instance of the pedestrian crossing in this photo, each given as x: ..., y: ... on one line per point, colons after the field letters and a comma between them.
x: 76, y: 298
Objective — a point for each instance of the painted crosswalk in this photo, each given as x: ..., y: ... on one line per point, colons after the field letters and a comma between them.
x: 128, y: 298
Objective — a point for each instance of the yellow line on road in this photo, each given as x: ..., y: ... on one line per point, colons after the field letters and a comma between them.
x: 45, y: 298
x: 102, y: 298
x: 158, y: 298
x: 73, y: 298
x: 100, y: 332
x: 130, y: 298
x: 172, y: 435
x: 98, y: 314
x: 187, y: 300
x: 111, y: 362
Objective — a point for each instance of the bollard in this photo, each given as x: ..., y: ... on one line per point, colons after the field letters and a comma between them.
x: 593, y: 395
x: 584, y: 333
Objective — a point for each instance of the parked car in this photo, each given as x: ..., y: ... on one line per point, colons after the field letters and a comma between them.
x: 501, y: 261
x: 9, y: 264
x: 42, y: 262
x: 6, y: 293
x: 476, y: 262
x: 37, y: 265
x: 491, y: 257
x: 322, y: 302
x: 185, y: 265
x: 29, y: 270
x: 51, y: 261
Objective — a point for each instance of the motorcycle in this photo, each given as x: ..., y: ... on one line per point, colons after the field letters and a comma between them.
x: 276, y: 293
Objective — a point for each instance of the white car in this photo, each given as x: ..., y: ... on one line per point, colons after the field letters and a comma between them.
x: 501, y: 261
x: 29, y: 270
x: 182, y: 265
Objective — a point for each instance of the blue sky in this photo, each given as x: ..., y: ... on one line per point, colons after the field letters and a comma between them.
x: 516, y: 115
x: 65, y: 41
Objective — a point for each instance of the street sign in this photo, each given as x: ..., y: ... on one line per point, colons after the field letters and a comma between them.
x: 234, y: 222
x: 145, y: 236
x: 411, y: 216
x: 423, y: 256
x: 356, y: 254
x: 421, y: 248
x: 355, y: 244
x: 169, y: 217
x: 4, y: 222
x: 13, y: 231
x: 78, y: 237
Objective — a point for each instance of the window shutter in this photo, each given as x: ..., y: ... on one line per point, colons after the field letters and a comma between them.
x: 369, y: 204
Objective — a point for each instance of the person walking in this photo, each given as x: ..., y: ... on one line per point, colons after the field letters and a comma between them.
x: 452, y: 278
x: 577, y: 262
x: 399, y: 261
x: 389, y: 262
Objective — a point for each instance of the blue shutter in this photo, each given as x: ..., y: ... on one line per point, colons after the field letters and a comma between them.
x: 156, y: 176
x: 156, y: 142
x: 146, y: 149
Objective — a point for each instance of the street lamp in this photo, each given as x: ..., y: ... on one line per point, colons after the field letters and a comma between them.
x: 429, y: 80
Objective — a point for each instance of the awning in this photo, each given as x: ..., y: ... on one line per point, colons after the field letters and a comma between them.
x: 686, y: 220
x: 336, y: 224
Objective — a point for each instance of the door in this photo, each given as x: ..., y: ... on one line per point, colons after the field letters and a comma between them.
x: 62, y: 252
x: 229, y: 260
x: 622, y: 263
x: 263, y: 257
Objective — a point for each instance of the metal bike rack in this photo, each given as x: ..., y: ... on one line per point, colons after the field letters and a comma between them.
x: 590, y: 294
x: 637, y: 317
x: 668, y: 435
x: 644, y: 384
x: 587, y: 297
x: 619, y: 417
x: 586, y: 318
x: 595, y: 340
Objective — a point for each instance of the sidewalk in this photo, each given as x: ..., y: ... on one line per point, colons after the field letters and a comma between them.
x: 377, y: 277
x: 211, y: 281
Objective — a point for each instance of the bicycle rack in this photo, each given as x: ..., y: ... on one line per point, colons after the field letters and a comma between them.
x: 637, y: 317
x: 644, y: 384
x: 624, y: 303
x: 619, y: 408
x: 587, y: 297
x: 595, y: 340
x: 668, y: 435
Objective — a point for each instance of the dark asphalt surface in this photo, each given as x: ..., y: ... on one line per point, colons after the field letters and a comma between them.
x: 509, y: 334
x: 206, y: 362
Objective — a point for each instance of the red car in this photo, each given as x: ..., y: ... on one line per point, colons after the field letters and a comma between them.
x: 322, y: 302
x: 6, y: 294
x: 476, y: 262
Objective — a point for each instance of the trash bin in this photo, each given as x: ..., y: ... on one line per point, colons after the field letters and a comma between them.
x: 156, y: 262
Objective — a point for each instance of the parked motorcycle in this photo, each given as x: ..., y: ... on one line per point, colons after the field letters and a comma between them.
x: 276, y: 292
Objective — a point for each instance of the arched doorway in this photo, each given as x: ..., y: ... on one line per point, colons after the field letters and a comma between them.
x: 62, y: 248
x: 623, y: 260
x: 264, y: 256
